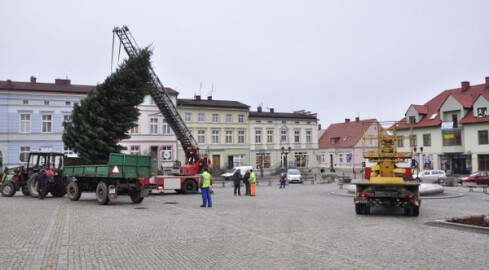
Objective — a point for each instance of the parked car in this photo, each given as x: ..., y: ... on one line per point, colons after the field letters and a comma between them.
x: 294, y: 176
x: 430, y: 176
x: 228, y: 175
x: 479, y: 178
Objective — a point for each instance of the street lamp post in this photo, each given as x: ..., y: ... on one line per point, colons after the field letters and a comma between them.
x: 284, y: 154
x: 417, y: 155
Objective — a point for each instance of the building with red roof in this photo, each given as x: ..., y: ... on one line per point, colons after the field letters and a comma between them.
x: 342, y: 144
x: 450, y: 131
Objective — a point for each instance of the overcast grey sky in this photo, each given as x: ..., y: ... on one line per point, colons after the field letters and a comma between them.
x: 340, y: 59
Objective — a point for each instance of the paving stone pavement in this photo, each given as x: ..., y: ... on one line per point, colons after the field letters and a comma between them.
x: 300, y: 227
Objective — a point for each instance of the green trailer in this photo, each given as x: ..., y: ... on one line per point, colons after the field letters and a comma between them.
x: 119, y: 177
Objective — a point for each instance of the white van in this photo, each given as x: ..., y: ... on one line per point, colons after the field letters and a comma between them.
x: 228, y: 175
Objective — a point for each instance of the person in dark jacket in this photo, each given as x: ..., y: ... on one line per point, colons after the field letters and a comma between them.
x: 237, y: 182
x: 246, y: 182
x: 41, y: 180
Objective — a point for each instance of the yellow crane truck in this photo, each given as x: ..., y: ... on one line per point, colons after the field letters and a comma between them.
x: 387, y: 185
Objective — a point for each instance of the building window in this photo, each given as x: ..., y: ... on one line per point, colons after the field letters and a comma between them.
x: 47, y: 123
x: 301, y: 159
x: 308, y: 136
x: 297, y: 136
x: 25, y: 123
x: 215, y: 118
x: 455, y: 120
x: 68, y: 151
x: 229, y: 118
x: 201, y: 117
x: 135, y: 150
x: 68, y: 103
x: 166, y: 127
x: 25, y: 102
x: 241, y: 118
x: 24, y: 153
x: 400, y: 141
x: 241, y: 137
x: 166, y: 153
x: 415, y: 141
x: 67, y: 118
x: 153, y: 126
x: 283, y: 136
x: 134, y: 130
x: 201, y: 136
x: 269, y: 136
x: 481, y: 112
x: 452, y: 138
x: 258, y: 136
x: 188, y: 117
x: 215, y: 136
x: 46, y: 102
x: 263, y: 160
x: 229, y: 136
x: 427, y: 139
x: 340, y: 158
x: 412, y: 119
x: 483, y: 137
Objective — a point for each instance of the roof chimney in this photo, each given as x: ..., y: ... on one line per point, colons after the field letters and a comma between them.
x: 33, y: 79
x: 272, y: 110
x: 62, y: 81
x: 319, y: 126
x: 258, y: 108
x: 347, y: 120
x: 9, y: 83
x: 487, y: 82
x: 197, y: 97
x: 209, y: 97
x: 357, y: 119
x: 465, y: 86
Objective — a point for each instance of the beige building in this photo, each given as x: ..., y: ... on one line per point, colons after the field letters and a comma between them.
x: 220, y: 128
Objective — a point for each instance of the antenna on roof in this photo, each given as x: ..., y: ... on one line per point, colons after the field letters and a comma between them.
x: 212, y: 90
x: 200, y: 91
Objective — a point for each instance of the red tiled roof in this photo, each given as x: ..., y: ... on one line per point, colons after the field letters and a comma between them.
x: 348, y: 134
x: 466, y: 98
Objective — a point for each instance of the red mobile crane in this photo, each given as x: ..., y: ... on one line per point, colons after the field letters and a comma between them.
x: 187, y: 179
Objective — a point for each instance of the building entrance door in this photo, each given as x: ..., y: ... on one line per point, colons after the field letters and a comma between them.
x: 216, y: 161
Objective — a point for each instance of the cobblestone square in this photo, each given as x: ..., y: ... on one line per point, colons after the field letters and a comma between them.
x: 300, y: 227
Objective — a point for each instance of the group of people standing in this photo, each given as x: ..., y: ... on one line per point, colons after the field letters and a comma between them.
x: 249, y: 181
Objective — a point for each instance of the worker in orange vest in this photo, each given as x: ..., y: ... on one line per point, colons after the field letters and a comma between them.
x: 252, y: 181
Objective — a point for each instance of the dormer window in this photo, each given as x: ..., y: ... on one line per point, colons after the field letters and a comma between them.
x: 334, y: 140
x: 481, y: 112
x: 412, y: 119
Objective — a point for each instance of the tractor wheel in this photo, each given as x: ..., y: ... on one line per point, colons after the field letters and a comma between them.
x: 25, y: 191
x: 408, y: 211
x: 189, y: 186
x: 31, y: 185
x: 73, y: 190
x: 136, y: 196
x: 415, y: 211
x: 102, y: 193
x: 359, y: 209
x: 58, y: 190
x: 8, y: 189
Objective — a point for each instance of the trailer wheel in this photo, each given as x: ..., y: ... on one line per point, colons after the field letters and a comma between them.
x: 73, y: 190
x: 8, y: 189
x: 359, y: 208
x: 58, y: 190
x: 25, y: 191
x: 31, y: 185
x: 189, y: 186
x: 136, y: 196
x: 415, y: 211
x: 102, y: 193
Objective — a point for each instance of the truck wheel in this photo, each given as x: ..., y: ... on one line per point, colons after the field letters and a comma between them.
x: 102, y: 193
x: 73, y: 190
x: 25, y: 191
x: 359, y: 208
x: 8, y: 189
x: 366, y: 210
x: 136, y: 196
x: 415, y: 211
x: 58, y: 190
x: 189, y: 186
x: 31, y: 185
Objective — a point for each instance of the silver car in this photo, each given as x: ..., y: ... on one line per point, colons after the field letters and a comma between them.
x: 430, y: 176
x: 294, y: 176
